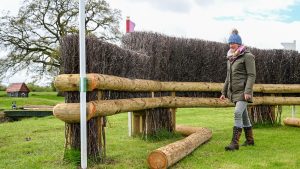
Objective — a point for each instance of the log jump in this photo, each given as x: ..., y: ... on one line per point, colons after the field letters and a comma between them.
x: 168, y: 155
x: 172, y: 153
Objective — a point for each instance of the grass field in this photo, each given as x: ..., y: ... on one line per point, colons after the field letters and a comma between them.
x: 35, y: 98
x: 39, y: 143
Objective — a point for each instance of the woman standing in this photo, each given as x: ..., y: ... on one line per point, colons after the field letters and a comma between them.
x: 238, y: 87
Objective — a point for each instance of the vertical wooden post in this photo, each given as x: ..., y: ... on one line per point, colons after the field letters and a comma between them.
x: 101, y: 124
x: 136, y: 123
x: 157, y: 119
x: 143, y: 122
x: 279, y: 112
x: 173, y: 111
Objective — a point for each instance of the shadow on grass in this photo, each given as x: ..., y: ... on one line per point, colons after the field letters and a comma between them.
x: 73, y: 157
x: 162, y: 135
x: 267, y: 125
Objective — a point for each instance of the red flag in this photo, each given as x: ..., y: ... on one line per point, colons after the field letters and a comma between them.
x: 129, y: 25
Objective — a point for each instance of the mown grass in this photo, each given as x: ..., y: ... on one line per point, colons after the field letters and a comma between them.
x: 32, y: 143
x: 35, y: 98
x: 39, y: 143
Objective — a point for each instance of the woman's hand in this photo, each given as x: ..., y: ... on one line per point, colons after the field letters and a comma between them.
x: 247, y: 96
x: 222, y: 97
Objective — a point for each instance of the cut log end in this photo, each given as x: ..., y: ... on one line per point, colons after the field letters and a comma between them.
x: 292, y: 122
x: 70, y: 112
x: 157, y: 159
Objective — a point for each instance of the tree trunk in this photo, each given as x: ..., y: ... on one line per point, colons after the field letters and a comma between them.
x: 95, y: 131
x: 157, y: 120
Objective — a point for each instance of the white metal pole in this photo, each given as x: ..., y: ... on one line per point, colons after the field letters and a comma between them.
x: 293, y: 111
x: 83, y: 135
x: 129, y: 124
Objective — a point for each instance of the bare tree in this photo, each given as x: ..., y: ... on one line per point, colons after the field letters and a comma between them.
x: 32, y: 37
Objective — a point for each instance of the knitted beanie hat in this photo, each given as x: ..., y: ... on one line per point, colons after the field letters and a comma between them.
x: 235, y: 37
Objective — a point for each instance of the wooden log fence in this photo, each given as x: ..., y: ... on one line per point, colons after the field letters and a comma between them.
x: 70, y: 82
x: 70, y: 112
x: 172, y: 153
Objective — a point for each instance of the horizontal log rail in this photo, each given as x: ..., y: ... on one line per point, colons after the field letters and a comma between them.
x: 168, y: 155
x: 70, y: 112
x: 70, y: 82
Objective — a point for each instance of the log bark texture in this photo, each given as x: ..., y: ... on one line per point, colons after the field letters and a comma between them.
x: 292, y: 122
x: 70, y: 112
x: 168, y: 155
x: 70, y: 82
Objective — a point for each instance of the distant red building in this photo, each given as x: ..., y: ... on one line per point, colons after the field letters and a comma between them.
x: 17, y: 90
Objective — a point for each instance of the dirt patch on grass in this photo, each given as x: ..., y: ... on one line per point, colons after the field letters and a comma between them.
x: 110, y: 161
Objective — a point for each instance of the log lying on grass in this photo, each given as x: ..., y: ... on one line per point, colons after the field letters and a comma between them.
x: 70, y: 82
x: 70, y: 112
x: 292, y: 122
x: 168, y: 155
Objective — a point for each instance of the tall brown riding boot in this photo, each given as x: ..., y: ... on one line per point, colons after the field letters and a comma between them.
x: 234, y: 145
x: 249, y: 137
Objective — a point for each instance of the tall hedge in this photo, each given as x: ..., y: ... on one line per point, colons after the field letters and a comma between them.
x: 184, y: 59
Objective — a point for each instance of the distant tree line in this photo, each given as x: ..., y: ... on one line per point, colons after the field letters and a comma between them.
x: 37, y: 88
x: 2, y: 88
x: 34, y: 87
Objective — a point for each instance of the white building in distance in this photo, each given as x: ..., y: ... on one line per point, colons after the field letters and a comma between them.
x: 289, y: 46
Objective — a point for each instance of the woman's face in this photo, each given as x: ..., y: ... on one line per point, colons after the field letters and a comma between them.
x: 234, y: 46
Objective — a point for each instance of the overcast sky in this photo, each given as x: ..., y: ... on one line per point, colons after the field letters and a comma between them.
x: 261, y: 23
